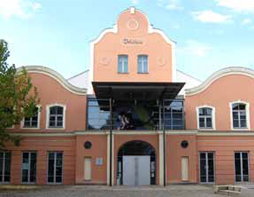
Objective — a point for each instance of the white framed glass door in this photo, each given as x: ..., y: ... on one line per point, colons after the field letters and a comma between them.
x: 206, y: 167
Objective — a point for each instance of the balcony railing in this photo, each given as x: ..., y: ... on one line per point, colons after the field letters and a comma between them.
x: 105, y: 114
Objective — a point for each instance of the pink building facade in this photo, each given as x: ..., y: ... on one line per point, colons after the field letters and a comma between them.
x: 132, y: 121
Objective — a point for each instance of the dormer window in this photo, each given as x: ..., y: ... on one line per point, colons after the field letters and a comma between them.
x: 142, y: 64
x: 122, y: 63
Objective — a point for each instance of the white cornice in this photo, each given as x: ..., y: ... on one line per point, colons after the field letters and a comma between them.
x: 220, y: 73
x: 180, y: 132
x: 55, y: 75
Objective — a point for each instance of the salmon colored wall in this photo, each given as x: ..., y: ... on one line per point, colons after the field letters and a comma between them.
x: 175, y: 153
x: 50, y: 92
x: 224, y: 148
x: 219, y: 94
x: 106, y: 52
x: 42, y: 145
x: 120, y: 140
x: 99, y: 149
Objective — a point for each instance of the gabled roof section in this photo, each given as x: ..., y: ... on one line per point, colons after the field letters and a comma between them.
x: 55, y: 75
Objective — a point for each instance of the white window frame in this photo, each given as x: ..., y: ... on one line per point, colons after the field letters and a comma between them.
x: 213, y: 117
x: 241, y: 163
x: 38, y: 120
x: 122, y: 64
x: 247, y: 115
x: 48, y: 115
x: 139, y: 56
x: 29, y: 169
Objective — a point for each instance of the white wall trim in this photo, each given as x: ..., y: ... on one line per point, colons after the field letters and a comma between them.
x: 247, y: 115
x: 47, y: 116
x: 22, y: 126
x: 213, y: 117
x: 55, y: 75
x: 115, y: 31
x: 221, y: 73
x: 161, y: 160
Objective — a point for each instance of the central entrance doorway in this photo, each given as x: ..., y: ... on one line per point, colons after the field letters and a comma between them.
x: 136, y: 164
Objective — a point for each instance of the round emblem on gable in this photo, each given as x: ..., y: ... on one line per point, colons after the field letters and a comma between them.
x: 132, y: 24
x: 104, y: 61
x: 161, y: 61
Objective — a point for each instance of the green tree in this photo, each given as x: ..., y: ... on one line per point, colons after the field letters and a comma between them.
x: 18, y: 97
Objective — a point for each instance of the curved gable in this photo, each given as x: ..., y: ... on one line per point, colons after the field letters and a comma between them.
x: 217, y: 76
x: 56, y: 76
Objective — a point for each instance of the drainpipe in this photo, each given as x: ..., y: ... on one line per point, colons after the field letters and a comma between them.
x: 110, y: 145
x: 164, y: 147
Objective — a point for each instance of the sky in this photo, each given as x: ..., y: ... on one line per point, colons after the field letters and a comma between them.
x: 210, y: 34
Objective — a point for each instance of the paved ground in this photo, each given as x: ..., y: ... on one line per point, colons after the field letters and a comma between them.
x: 103, y: 191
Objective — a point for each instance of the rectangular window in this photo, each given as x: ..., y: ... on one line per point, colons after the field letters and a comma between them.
x: 55, y: 167
x: 5, y: 166
x: 122, y: 63
x: 56, y: 117
x: 88, y: 169
x: 32, y: 122
x: 241, y: 167
x: 142, y: 64
x: 29, y: 161
x: 239, y: 115
x: 205, y: 118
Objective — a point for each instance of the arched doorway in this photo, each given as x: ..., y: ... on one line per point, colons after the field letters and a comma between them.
x: 136, y: 164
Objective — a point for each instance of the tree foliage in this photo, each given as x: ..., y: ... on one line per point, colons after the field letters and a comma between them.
x: 18, y: 97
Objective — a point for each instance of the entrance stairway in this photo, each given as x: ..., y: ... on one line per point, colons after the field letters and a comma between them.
x: 229, y: 190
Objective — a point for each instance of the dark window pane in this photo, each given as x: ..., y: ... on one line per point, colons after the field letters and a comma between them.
x: 235, y: 106
x: 235, y: 115
x: 243, y: 123
x: 238, y: 178
x: 59, y: 171
x: 245, y: 155
x: 208, y: 111
x: 58, y: 179
x: 235, y: 123
x: 59, y: 110
x: 59, y: 118
x: 201, y: 122
x: 59, y: 124
x: 209, y: 122
x: 210, y: 178
x: 24, y: 175
x: 242, y: 106
x: 53, y: 110
x: 50, y: 179
x: 202, y: 155
x: 201, y: 111
x: 237, y: 167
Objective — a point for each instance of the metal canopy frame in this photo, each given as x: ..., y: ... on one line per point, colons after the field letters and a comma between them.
x: 145, y: 91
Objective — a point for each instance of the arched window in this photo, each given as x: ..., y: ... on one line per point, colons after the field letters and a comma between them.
x: 239, y: 115
x: 56, y: 116
x: 206, y: 119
